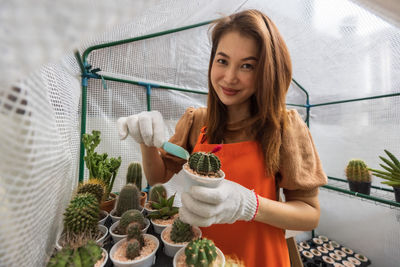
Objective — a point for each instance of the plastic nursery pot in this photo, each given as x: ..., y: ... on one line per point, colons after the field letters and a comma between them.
x: 115, y: 218
x: 360, y: 187
x: 181, y: 251
x: 105, y: 215
x: 158, y: 228
x: 118, y: 237
x: 192, y: 179
x: 397, y: 193
x: 147, y: 261
x: 105, y: 258
x: 143, y: 198
x: 99, y: 241
x: 170, y: 249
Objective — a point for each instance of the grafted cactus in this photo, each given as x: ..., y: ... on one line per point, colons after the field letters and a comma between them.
x: 129, y: 198
x: 157, y: 191
x: 181, y: 232
x: 134, y: 174
x: 93, y: 186
x: 129, y: 217
x: 204, y: 163
x: 82, y: 215
x: 200, y: 252
x: 85, y: 256
x: 357, y: 171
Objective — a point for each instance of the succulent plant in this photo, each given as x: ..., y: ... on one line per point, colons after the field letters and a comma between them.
x: 133, y: 249
x: 163, y: 210
x: 93, y: 186
x: 134, y: 231
x: 129, y: 198
x: 181, y: 232
x: 392, y: 170
x: 157, y: 191
x: 85, y: 256
x: 200, y: 252
x: 135, y: 240
x: 205, y: 163
x: 357, y: 171
x: 134, y: 174
x: 82, y: 215
x: 127, y: 218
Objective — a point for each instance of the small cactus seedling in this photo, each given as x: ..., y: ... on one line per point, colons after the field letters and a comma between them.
x: 135, y: 240
x: 181, y: 232
x: 129, y: 198
x: 205, y: 163
x: 133, y: 249
x: 134, y: 231
x: 134, y: 174
x: 200, y: 252
x: 127, y: 218
x: 85, y: 256
x: 93, y: 186
x: 357, y: 171
x: 157, y: 191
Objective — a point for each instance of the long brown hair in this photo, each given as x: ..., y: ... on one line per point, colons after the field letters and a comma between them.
x: 272, y: 80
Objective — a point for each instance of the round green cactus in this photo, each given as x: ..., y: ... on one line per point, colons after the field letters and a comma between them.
x: 134, y: 231
x: 82, y: 214
x: 200, y: 252
x: 157, y: 192
x: 133, y: 249
x: 85, y: 256
x: 129, y: 217
x: 357, y: 171
x: 204, y: 163
x: 134, y: 174
x: 181, y: 232
x: 93, y: 186
x: 129, y: 198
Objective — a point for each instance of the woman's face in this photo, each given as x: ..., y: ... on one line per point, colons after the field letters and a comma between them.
x: 233, y: 69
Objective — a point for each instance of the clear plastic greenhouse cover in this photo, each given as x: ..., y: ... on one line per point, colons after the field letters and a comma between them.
x: 340, y: 50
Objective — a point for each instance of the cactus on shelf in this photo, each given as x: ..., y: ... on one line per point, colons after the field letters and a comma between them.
x: 93, y: 186
x: 204, y: 163
x: 357, y: 171
x: 134, y: 174
x: 164, y: 209
x: 85, y: 256
x: 157, y: 191
x: 181, y: 232
x: 129, y: 217
x: 200, y: 252
x: 82, y: 215
x: 392, y: 170
x: 129, y: 198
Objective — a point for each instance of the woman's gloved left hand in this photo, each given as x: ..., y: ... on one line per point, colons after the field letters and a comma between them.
x: 227, y: 203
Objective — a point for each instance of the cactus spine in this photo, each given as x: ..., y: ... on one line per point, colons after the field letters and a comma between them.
x: 357, y: 171
x: 157, y: 192
x: 134, y: 174
x: 129, y: 217
x: 129, y: 198
x: 181, y: 232
x: 85, y: 256
x: 200, y: 252
x: 204, y: 163
x: 93, y: 186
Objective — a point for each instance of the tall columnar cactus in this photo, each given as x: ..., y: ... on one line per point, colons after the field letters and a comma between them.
x: 129, y: 198
x: 134, y: 174
x: 84, y: 256
x: 357, y: 171
x: 181, y: 232
x: 128, y: 217
x: 157, y: 191
x: 200, y: 252
x: 204, y: 163
x: 93, y: 186
x: 82, y: 215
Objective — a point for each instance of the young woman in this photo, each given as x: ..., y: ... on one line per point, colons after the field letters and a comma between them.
x: 264, y: 146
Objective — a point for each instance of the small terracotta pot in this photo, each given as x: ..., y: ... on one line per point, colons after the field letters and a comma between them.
x: 109, y: 204
x: 143, y: 198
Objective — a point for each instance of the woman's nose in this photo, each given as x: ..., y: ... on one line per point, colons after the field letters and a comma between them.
x: 230, y: 75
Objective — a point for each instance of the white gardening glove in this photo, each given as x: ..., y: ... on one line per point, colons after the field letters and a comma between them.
x: 145, y: 128
x: 227, y: 203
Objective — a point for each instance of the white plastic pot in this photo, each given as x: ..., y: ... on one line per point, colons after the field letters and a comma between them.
x: 170, y: 249
x: 99, y: 241
x: 192, y: 179
x: 117, y: 237
x: 182, y: 250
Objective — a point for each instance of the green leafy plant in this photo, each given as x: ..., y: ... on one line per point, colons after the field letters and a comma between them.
x: 392, y: 170
x: 181, y: 232
x: 134, y: 174
x: 205, y: 163
x: 357, y: 171
x: 99, y: 165
x: 129, y: 198
x: 157, y: 192
x: 164, y: 209
x: 200, y: 252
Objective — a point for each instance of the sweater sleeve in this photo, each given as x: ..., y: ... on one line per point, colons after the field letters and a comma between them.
x: 186, y: 134
x: 300, y: 168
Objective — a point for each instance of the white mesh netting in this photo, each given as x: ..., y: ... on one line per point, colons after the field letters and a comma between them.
x: 339, y: 51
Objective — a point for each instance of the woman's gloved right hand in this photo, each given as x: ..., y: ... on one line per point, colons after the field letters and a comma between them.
x: 146, y: 128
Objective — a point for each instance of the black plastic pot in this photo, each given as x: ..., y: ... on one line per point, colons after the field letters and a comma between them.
x: 360, y: 187
x: 397, y: 193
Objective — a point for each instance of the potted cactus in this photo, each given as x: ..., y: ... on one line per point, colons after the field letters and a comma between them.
x: 134, y: 176
x: 199, y: 252
x: 203, y: 168
x: 156, y: 192
x: 118, y: 230
x: 101, y: 167
x: 178, y: 235
x: 391, y: 173
x: 164, y: 213
x: 129, y: 198
x: 137, y: 249
x: 359, y: 176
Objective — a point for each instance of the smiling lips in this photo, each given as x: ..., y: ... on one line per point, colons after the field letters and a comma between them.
x: 229, y: 91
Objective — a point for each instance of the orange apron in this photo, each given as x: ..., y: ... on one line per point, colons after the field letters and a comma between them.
x: 257, y: 244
